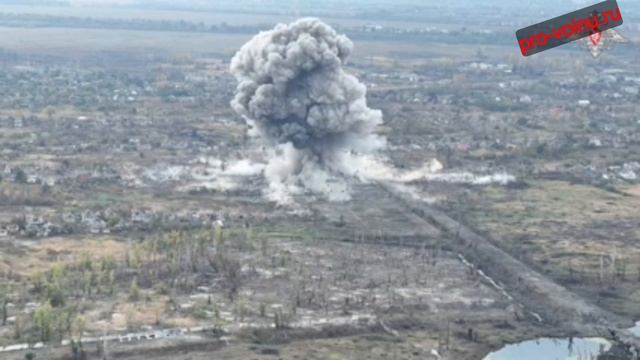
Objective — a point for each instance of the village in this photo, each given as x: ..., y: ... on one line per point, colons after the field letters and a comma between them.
x: 132, y: 199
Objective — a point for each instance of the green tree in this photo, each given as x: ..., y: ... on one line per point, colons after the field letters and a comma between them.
x: 218, y: 235
x: 77, y: 351
x: 5, y: 312
x: 87, y: 280
x: 21, y: 176
x: 17, y: 328
x: 134, y: 290
x: 112, y: 282
x: 78, y: 326
x: 55, y: 294
x: 43, y: 321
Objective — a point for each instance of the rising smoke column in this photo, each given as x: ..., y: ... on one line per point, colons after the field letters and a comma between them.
x: 313, y: 116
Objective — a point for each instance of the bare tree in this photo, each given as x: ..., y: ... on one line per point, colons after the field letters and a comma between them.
x: 231, y: 271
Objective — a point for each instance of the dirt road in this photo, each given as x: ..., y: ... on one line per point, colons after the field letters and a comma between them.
x: 556, y: 304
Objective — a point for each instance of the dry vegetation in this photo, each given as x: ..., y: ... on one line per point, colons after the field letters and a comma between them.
x: 582, y: 236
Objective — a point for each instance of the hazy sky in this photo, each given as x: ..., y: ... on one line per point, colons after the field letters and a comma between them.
x: 535, y: 10
x: 214, y: 3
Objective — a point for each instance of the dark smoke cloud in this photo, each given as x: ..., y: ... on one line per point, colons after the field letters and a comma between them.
x: 294, y: 90
x: 314, y: 118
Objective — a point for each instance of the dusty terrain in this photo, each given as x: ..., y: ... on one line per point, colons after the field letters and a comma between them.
x: 126, y: 208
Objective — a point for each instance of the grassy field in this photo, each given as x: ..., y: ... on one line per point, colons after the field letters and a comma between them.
x: 208, y: 18
x: 63, y: 42
x: 59, y: 42
x: 582, y: 236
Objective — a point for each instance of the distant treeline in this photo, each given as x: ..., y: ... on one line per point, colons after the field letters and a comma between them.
x: 43, y: 21
x: 452, y: 37
x: 35, y: 2
x: 463, y: 36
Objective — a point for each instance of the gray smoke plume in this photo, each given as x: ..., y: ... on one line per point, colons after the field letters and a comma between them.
x: 314, y: 119
x: 312, y: 115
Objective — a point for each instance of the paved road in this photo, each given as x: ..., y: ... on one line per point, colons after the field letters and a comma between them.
x: 120, y: 338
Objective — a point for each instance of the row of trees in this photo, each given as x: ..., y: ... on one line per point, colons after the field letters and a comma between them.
x: 172, y: 260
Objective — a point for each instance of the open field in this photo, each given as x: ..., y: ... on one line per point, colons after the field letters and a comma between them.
x: 78, y: 43
x: 208, y: 18
x: 81, y: 42
x: 132, y: 201
x: 584, y: 237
